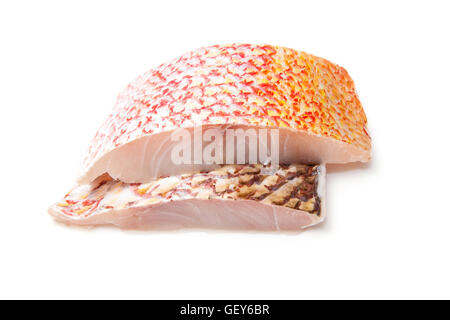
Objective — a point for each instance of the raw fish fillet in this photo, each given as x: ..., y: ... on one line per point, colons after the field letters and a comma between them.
x: 239, y: 197
x: 311, y: 101
x: 128, y: 178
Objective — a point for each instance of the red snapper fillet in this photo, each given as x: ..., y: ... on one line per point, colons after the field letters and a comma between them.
x: 129, y: 179
x: 245, y: 197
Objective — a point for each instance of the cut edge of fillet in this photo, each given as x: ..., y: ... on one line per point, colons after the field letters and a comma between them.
x: 149, y: 157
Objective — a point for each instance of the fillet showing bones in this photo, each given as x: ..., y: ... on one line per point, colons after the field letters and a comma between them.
x: 129, y: 178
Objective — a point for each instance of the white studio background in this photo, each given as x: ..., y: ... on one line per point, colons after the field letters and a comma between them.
x: 387, y: 233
